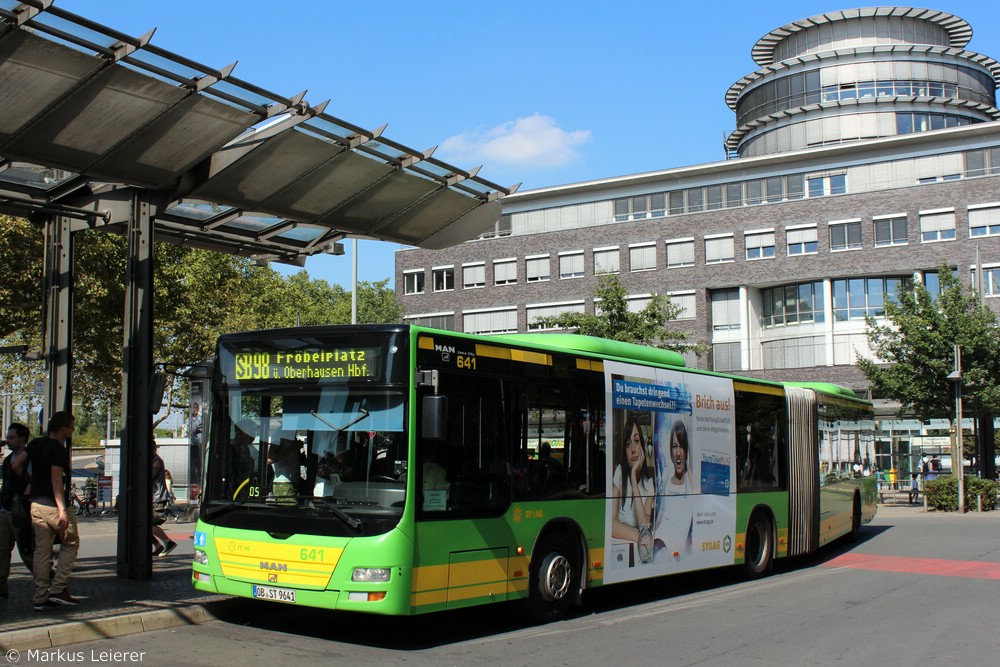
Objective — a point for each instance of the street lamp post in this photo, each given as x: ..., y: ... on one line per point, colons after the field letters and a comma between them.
x: 957, y: 453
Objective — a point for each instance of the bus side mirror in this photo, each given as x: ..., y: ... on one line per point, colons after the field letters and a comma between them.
x: 433, y: 417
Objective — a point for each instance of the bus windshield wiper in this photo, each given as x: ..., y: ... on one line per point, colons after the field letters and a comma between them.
x: 363, y: 411
x: 352, y: 521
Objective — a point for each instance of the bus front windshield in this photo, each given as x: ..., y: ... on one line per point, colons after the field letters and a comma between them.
x: 323, y: 451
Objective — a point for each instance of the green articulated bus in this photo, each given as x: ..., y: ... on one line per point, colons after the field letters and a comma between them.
x: 395, y: 469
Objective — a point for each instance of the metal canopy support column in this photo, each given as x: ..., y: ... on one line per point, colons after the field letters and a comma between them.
x: 57, y: 316
x: 135, y: 504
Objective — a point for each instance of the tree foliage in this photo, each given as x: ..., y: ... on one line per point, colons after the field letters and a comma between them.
x: 198, y: 295
x: 914, y: 351
x: 614, y: 321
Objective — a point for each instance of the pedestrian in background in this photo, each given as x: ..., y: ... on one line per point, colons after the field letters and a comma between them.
x: 13, y: 485
x: 48, y: 459
x: 161, y: 498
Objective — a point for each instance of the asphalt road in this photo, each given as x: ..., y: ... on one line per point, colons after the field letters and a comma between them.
x: 918, y: 589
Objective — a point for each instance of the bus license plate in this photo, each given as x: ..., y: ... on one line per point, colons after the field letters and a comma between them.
x: 276, y: 594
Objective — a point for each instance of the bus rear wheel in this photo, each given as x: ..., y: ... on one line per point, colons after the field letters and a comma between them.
x: 554, y: 573
x: 759, y: 549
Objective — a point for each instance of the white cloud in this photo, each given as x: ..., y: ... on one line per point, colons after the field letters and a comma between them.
x: 535, y: 141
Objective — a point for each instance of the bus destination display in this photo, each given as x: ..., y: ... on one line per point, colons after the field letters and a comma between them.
x: 341, y: 363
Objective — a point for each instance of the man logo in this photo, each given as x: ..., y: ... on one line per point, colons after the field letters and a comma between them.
x: 272, y: 578
x: 277, y: 567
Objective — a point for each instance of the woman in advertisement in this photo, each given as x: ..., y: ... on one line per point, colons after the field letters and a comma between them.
x: 633, y: 488
x: 675, y: 531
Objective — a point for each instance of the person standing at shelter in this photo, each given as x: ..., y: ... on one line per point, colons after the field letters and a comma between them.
x: 161, y: 498
x: 48, y: 460
x: 13, y: 485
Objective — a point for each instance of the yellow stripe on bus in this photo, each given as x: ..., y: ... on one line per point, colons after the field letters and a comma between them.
x: 589, y: 365
x: 758, y: 388
x: 425, y: 343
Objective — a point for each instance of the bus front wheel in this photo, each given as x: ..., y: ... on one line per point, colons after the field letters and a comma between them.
x: 554, y: 569
x: 759, y: 546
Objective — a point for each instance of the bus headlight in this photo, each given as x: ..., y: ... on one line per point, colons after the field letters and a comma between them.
x: 200, y: 557
x: 371, y: 574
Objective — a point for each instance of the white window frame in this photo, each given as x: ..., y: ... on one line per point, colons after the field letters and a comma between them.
x: 531, y: 261
x: 503, y: 277
x: 610, y: 251
x: 845, y: 224
x: 531, y: 312
x: 475, y: 284
x: 892, y: 239
x: 499, y: 319
x: 756, y: 239
x: 575, y: 256
x: 937, y: 225
x: 689, y: 305
x: 798, y: 232
x: 688, y: 242
x: 987, y: 219
x: 414, y: 273
x: 444, y: 270
x: 719, y: 240
x: 643, y: 257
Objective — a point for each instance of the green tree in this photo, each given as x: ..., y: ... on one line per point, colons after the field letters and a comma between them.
x: 913, y: 351
x: 614, y: 321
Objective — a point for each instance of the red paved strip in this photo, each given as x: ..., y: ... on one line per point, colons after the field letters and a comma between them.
x: 927, y: 566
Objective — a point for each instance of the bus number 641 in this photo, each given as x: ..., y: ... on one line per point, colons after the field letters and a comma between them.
x: 467, y: 362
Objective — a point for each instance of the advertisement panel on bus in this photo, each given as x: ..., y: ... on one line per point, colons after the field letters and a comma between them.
x: 672, y: 502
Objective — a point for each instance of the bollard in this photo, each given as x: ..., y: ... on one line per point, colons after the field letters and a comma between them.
x: 979, y: 503
x: 925, y: 502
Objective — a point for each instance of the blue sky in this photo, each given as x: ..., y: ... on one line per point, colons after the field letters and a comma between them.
x: 538, y: 92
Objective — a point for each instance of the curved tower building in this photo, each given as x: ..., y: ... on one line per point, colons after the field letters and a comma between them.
x: 860, y: 74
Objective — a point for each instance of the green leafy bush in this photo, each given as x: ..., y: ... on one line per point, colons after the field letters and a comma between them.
x: 942, y: 493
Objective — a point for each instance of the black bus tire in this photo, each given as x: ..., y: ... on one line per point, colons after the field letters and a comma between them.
x: 758, y: 553
x: 855, y: 533
x: 554, y: 571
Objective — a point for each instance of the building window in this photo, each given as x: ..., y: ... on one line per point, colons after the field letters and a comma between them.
x: 571, y: 265
x: 726, y: 357
x: 640, y: 207
x: 982, y: 162
x: 536, y: 268
x: 759, y: 244
x: 991, y: 281
x: 504, y: 271
x: 802, y: 241
x: 937, y: 225
x: 606, y: 260
x: 636, y: 303
x: 890, y: 230
x: 821, y: 186
x: 642, y: 257
x: 685, y: 301
x: 474, y: 275
x: 858, y: 298
x: 984, y: 220
x: 490, y: 321
x: 433, y: 320
x: 785, y: 305
x: 725, y: 309
x: 680, y: 252
x: 845, y: 235
x: 719, y: 249
x: 413, y: 282
x: 535, y: 312
x: 444, y: 278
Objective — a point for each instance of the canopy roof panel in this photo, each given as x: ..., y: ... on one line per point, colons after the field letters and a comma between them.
x: 88, y: 115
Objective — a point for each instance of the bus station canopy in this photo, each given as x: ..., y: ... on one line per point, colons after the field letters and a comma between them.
x: 89, y: 116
